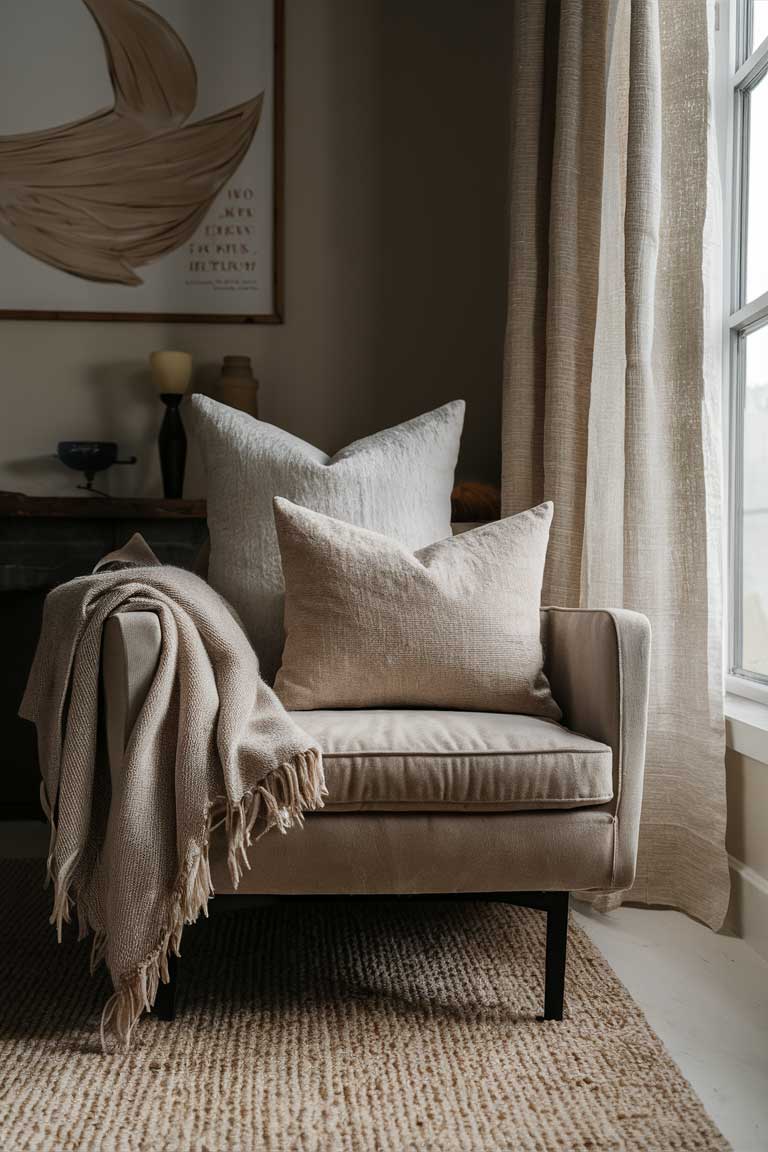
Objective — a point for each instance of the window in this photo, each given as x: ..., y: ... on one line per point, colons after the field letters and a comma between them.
x: 748, y: 352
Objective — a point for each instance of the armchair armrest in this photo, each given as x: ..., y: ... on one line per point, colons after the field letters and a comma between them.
x: 130, y: 652
x: 598, y: 664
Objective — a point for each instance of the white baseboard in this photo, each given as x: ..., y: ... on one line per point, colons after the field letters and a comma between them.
x: 748, y: 910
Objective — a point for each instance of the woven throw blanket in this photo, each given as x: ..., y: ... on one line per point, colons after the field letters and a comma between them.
x: 211, y: 746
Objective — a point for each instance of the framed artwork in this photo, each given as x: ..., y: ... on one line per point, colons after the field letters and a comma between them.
x: 141, y: 160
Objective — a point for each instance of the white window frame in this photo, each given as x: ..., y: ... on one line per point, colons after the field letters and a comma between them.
x: 743, y: 71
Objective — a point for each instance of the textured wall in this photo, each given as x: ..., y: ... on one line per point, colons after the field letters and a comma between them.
x: 396, y: 254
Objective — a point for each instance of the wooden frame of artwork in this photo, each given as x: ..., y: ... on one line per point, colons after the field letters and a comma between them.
x: 45, y: 257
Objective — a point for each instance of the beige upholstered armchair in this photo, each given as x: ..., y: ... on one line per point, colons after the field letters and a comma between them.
x: 469, y: 804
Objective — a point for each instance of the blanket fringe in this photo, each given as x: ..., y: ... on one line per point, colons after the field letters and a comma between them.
x: 47, y: 808
x: 279, y: 801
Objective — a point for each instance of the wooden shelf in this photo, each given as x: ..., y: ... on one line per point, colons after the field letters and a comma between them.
x: 14, y: 505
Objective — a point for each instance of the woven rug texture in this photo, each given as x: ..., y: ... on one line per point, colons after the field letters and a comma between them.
x: 319, y: 1027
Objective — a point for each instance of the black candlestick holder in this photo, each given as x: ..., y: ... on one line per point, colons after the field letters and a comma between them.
x: 173, y: 446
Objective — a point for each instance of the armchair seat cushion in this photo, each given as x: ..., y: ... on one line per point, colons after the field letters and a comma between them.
x: 395, y: 760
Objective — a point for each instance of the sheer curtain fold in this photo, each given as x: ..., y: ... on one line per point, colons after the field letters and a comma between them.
x: 611, y: 377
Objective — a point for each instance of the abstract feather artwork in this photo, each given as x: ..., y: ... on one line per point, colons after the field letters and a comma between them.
x: 160, y: 201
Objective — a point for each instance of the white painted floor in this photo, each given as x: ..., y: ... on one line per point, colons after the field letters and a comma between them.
x: 706, y: 996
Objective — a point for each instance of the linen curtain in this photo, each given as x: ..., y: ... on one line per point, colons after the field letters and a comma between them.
x: 611, y: 378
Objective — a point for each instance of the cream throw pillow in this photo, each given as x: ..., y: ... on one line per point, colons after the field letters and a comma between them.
x: 372, y: 482
x: 370, y: 623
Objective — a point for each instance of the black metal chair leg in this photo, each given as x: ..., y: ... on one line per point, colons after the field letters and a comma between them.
x: 557, y: 942
x: 165, y: 1001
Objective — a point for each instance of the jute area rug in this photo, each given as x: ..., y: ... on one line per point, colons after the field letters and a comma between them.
x: 385, y: 1026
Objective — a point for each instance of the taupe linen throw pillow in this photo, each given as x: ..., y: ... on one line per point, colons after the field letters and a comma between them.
x: 371, y: 483
x: 370, y: 623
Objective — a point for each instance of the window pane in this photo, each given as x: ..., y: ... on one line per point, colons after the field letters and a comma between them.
x: 755, y: 525
x: 757, y: 160
x: 759, y: 22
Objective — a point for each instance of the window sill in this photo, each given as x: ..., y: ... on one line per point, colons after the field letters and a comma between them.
x: 746, y: 727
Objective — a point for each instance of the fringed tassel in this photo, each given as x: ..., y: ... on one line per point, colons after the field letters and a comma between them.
x: 280, y: 801
x: 62, y: 904
x: 137, y: 991
x: 45, y: 804
x: 60, y: 876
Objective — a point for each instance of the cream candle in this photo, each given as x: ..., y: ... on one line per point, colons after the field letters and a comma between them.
x: 171, y: 371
